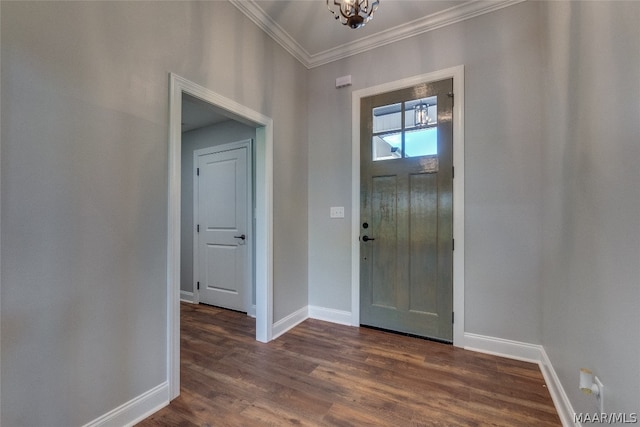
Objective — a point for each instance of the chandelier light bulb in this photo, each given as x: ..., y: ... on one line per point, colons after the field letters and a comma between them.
x: 422, y: 115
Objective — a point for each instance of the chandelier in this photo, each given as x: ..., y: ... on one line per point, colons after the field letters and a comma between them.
x: 354, y: 13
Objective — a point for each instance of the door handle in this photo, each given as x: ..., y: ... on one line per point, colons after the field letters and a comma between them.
x: 242, y: 236
x: 366, y: 238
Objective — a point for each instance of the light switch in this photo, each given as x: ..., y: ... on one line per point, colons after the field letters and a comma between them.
x: 336, y: 212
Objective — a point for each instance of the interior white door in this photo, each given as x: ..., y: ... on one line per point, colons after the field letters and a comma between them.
x: 222, y: 225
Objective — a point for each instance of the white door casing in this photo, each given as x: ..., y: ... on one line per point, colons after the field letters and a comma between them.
x: 222, y: 239
x: 263, y: 240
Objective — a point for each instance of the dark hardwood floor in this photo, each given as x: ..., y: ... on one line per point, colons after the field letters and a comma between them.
x: 322, y: 374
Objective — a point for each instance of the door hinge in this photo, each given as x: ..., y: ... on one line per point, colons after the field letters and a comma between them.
x: 198, y: 228
x: 198, y: 285
x: 453, y: 244
x: 450, y: 95
x: 198, y: 171
x: 453, y: 172
x: 453, y: 317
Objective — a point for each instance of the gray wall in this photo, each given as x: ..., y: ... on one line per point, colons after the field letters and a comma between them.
x: 591, y: 189
x: 84, y: 189
x: 503, y: 128
x: 220, y: 133
x: 552, y: 202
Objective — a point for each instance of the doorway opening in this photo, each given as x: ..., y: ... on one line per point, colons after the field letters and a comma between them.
x: 217, y: 199
x: 263, y: 211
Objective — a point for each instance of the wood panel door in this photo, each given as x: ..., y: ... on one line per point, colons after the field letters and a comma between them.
x: 222, y: 225
x: 406, y: 234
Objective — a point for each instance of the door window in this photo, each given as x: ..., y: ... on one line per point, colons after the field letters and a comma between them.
x: 405, y: 129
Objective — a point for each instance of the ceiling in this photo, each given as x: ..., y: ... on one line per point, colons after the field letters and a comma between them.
x: 309, y: 32
x: 197, y: 113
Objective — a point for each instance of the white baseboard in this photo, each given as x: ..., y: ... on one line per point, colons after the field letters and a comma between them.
x: 186, y: 296
x: 559, y: 396
x: 283, y: 325
x: 252, y: 311
x: 136, y: 409
x: 320, y: 313
x: 330, y: 315
x: 502, y: 347
x: 529, y: 353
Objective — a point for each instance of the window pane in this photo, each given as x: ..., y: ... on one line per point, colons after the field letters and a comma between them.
x: 425, y: 109
x: 387, y: 117
x: 423, y: 142
x: 387, y: 147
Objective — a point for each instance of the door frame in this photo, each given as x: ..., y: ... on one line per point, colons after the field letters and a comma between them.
x: 263, y: 215
x: 248, y: 144
x: 457, y: 73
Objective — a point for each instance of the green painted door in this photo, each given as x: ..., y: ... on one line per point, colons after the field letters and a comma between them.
x: 406, y: 224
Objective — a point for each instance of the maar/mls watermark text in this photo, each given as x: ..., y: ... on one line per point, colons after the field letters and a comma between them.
x: 606, y: 417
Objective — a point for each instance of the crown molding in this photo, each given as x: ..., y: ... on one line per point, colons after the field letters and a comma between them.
x: 422, y: 25
x: 428, y: 23
x: 275, y: 31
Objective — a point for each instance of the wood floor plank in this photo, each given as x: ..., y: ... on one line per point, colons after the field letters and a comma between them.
x: 322, y: 374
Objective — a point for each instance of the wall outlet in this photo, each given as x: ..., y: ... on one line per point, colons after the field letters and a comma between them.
x: 336, y: 212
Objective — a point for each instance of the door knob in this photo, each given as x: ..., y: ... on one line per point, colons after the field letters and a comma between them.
x: 366, y: 238
x: 242, y: 236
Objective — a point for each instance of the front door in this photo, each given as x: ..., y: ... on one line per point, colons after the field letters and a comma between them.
x: 222, y: 226
x: 406, y: 234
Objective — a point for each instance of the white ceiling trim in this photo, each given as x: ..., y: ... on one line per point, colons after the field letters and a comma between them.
x: 422, y: 25
x: 271, y: 27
